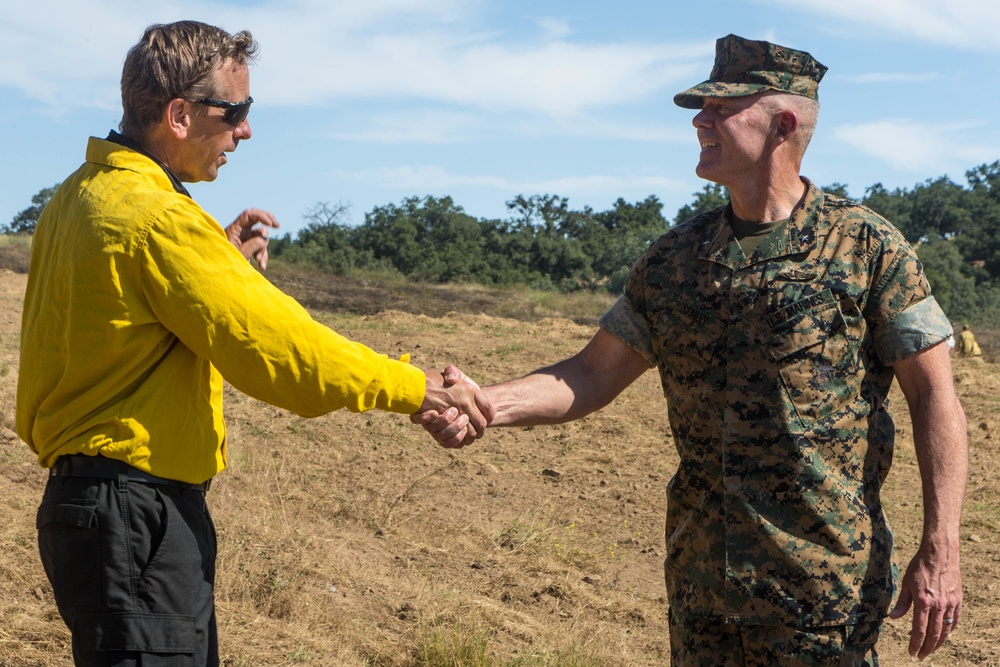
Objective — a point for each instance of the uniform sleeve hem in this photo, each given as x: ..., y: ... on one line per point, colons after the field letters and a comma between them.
x: 623, y: 322
x: 917, y: 328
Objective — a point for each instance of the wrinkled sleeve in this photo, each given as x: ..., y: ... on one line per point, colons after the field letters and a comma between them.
x: 904, y: 316
x: 626, y: 318
x: 261, y: 340
x: 917, y: 328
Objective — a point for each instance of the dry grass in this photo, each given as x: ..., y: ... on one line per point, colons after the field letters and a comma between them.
x: 352, y: 540
x: 15, y: 251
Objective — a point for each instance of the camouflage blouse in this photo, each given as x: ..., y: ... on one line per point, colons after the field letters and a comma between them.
x: 776, y: 370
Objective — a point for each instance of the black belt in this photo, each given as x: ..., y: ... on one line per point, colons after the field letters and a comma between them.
x: 101, y: 467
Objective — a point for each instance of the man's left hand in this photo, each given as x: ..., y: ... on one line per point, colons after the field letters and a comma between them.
x: 935, y: 593
x: 249, y: 234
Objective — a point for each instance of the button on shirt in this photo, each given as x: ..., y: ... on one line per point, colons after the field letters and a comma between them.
x: 776, y: 370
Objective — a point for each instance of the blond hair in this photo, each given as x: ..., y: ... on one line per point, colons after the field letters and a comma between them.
x: 175, y: 60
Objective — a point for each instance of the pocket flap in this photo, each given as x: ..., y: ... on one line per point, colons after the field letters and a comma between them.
x: 128, y: 631
x: 81, y: 514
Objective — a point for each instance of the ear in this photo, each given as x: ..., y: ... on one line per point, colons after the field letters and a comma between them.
x: 178, y: 116
x: 786, y: 124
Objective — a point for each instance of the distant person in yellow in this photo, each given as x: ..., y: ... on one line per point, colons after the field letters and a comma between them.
x: 139, y: 304
x: 967, y: 345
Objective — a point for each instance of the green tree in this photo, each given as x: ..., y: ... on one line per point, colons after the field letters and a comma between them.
x: 427, y: 239
x: 938, y: 210
x: 980, y: 239
x: 25, y: 221
x: 624, y: 233
x: 952, y: 279
x: 709, y: 197
x: 837, y: 189
x: 555, y: 251
x: 893, y: 206
x: 324, y: 243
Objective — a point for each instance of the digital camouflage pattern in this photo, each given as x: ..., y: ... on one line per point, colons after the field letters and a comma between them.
x: 710, y: 643
x: 776, y: 370
x: 745, y: 67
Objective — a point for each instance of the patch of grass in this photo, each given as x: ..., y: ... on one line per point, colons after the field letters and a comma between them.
x: 463, y: 644
x: 522, y: 534
x: 466, y: 643
x: 15, y: 252
x: 376, y: 293
x: 505, y: 351
x: 568, y: 543
x: 573, y: 657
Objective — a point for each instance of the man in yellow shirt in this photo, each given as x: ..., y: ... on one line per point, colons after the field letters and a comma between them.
x: 967, y: 345
x: 138, y: 305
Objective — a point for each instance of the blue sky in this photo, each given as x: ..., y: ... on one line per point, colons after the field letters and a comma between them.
x: 367, y: 102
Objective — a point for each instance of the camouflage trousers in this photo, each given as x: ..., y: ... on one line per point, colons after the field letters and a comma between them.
x: 709, y: 643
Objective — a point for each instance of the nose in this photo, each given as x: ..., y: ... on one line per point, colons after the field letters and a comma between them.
x: 243, y: 130
x: 701, y: 119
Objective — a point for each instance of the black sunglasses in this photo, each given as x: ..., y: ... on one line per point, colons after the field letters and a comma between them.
x: 236, y: 112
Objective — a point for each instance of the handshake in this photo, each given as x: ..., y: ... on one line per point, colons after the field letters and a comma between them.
x: 455, y: 411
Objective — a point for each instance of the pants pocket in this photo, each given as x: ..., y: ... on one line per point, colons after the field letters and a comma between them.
x: 171, y: 637
x: 69, y: 545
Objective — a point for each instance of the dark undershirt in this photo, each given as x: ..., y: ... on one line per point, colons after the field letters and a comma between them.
x: 751, y: 235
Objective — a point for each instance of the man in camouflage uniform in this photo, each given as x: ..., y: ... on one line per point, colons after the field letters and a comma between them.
x: 778, y: 323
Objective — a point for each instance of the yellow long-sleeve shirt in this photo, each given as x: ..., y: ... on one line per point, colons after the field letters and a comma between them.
x: 138, y: 306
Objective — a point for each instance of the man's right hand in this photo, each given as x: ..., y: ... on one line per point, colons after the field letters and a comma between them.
x: 457, y: 404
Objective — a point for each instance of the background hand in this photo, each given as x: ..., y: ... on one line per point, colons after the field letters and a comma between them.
x: 249, y: 234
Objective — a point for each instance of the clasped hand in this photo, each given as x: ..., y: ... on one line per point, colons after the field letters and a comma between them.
x: 455, y: 411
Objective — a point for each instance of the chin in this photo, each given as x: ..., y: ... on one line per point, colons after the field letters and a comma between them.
x: 208, y: 175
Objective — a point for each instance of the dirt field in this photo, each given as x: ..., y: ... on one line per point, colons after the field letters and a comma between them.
x: 354, y: 540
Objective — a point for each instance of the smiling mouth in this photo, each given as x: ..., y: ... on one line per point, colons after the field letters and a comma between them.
x: 709, y: 144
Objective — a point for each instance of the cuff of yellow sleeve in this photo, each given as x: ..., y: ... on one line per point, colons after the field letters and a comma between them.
x: 402, y: 386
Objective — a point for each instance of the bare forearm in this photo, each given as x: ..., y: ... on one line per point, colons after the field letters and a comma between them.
x: 547, y: 396
x: 571, y: 388
x: 940, y: 440
x: 932, y: 584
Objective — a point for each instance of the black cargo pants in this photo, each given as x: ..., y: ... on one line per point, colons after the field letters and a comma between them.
x: 132, y: 567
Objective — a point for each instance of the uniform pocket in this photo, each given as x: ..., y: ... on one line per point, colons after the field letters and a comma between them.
x: 816, y: 359
x: 146, y: 633
x: 69, y: 545
x: 685, y: 332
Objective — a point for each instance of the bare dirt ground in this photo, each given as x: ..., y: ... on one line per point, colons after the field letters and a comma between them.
x: 354, y: 540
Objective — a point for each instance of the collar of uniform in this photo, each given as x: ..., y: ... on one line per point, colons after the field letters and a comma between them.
x: 800, y: 233
x: 130, y: 143
x: 719, y: 244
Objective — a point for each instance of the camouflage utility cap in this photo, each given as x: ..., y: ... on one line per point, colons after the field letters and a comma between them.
x: 745, y: 67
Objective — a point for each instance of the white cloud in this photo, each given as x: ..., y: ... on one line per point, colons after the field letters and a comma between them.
x: 49, y: 54
x: 429, y: 178
x: 421, y: 178
x: 555, y: 28
x: 966, y: 24
x: 894, y: 77
x: 916, y: 147
x: 415, y: 126
x: 436, y: 125
x: 315, y: 52
x: 605, y: 184
x: 553, y: 78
